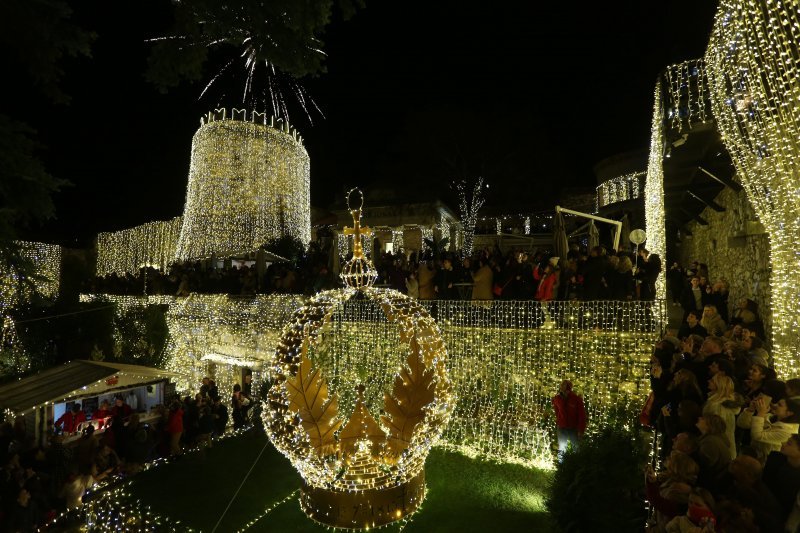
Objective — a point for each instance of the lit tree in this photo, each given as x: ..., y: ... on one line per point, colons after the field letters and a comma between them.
x: 13, y: 359
x: 469, y: 204
x: 753, y: 65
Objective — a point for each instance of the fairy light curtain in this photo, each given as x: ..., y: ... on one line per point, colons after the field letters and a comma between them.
x: 506, y: 359
x: 126, y: 251
x: 753, y: 63
x: 248, y: 183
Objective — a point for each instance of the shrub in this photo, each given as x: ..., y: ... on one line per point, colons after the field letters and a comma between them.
x: 599, y: 486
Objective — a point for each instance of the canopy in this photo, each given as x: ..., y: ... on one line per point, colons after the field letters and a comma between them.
x: 594, y: 236
x: 76, y: 378
x: 560, y: 243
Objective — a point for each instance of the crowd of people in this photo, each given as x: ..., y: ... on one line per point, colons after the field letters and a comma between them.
x: 39, y: 482
x: 726, y: 424
x: 487, y: 274
x: 243, y: 278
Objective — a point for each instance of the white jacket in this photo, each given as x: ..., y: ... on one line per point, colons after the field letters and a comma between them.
x: 766, y: 436
x: 728, y: 414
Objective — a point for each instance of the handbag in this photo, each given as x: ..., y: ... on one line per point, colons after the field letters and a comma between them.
x: 644, y: 415
x: 497, y: 289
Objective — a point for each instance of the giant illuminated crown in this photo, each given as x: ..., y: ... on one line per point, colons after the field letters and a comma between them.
x: 359, y: 472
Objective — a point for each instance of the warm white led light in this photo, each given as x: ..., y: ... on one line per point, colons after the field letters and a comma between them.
x: 248, y: 184
x: 753, y: 64
x: 151, y: 244
x: 504, y: 366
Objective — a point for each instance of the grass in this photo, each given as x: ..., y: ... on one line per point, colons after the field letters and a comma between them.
x: 464, y: 494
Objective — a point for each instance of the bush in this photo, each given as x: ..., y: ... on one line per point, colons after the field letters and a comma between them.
x: 599, y: 487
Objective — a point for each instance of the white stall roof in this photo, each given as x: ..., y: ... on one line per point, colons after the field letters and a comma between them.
x: 73, y: 379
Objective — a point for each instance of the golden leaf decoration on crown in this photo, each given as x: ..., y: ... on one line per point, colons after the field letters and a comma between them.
x: 361, y: 427
x: 308, y: 396
x: 414, y: 389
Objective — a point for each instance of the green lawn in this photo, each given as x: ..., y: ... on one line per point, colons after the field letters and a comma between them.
x: 463, y: 494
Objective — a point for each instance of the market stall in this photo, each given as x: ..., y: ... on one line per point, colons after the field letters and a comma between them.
x: 43, y: 398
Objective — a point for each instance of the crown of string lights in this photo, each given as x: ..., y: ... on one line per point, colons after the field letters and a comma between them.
x: 361, y: 454
x: 753, y: 66
x: 248, y: 184
x: 152, y: 244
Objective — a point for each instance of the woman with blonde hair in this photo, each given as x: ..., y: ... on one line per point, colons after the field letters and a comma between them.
x: 722, y: 402
x: 668, y: 491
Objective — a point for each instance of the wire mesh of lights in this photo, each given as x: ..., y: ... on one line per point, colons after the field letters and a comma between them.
x: 126, y: 251
x: 248, y: 183
x: 753, y: 66
x: 506, y: 358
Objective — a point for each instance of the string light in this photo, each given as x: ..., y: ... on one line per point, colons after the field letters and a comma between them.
x: 443, y: 227
x: 374, y: 469
x: 398, y: 241
x: 47, y: 260
x: 753, y: 61
x: 152, y: 244
x: 427, y: 236
x: 469, y: 205
x: 14, y: 360
x: 111, y: 507
x: 620, y: 189
x: 381, y: 463
x: 506, y: 362
x: 689, y: 98
x: 268, y: 510
x: 342, y: 244
x: 248, y: 184
x: 116, y: 510
x: 654, y: 191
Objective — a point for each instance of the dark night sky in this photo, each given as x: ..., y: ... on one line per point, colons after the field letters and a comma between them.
x: 528, y: 94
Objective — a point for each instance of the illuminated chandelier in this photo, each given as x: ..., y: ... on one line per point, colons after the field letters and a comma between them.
x: 359, y: 472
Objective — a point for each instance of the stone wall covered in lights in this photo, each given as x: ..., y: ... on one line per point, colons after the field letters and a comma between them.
x: 248, y: 184
x: 505, y: 360
x: 735, y: 247
x: 753, y: 64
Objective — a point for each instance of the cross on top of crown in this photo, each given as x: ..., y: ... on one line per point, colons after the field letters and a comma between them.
x: 356, y: 231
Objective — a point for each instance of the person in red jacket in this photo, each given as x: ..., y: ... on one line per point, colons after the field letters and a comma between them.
x: 71, y: 419
x: 548, y: 279
x: 570, y: 417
